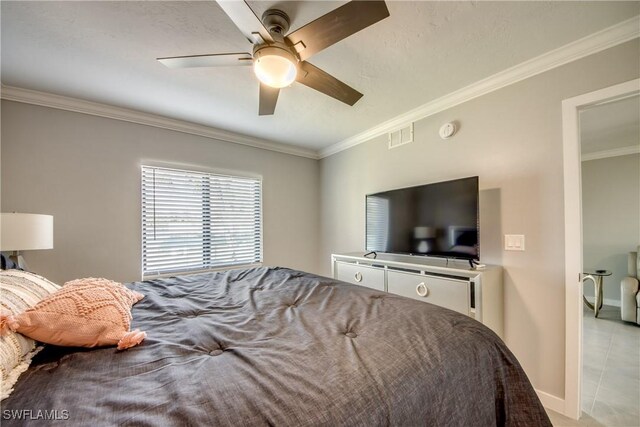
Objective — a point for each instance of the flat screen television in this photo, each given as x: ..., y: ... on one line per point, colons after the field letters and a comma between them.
x: 439, y: 219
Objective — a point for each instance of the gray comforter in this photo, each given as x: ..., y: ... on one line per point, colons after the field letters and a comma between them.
x: 273, y: 346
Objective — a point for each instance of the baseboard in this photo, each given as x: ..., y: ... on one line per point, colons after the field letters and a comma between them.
x: 552, y: 402
x: 612, y: 302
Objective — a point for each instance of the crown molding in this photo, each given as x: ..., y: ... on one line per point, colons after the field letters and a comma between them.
x: 44, y: 99
x: 604, y: 154
x: 596, y: 42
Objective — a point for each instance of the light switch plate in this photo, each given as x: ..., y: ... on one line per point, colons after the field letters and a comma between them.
x: 514, y: 242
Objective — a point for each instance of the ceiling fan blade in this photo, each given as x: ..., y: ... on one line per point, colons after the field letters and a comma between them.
x: 315, y: 78
x: 268, y: 99
x: 336, y: 25
x: 246, y: 21
x: 213, y: 60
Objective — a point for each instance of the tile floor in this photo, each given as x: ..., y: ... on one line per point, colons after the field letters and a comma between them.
x: 611, y: 372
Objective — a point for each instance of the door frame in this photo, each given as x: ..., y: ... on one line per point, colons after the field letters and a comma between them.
x: 573, y: 232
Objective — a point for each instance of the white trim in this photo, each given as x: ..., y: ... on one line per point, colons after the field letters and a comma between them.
x: 44, y: 99
x: 191, y: 167
x: 596, y: 42
x: 606, y: 301
x: 573, y: 259
x: 573, y: 234
x: 615, y: 152
x: 550, y: 401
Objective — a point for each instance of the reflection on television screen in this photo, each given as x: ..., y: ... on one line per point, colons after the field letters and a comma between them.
x: 438, y: 219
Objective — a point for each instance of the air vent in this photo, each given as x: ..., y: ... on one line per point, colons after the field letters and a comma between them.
x: 401, y: 136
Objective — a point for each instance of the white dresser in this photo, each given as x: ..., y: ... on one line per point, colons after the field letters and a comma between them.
x: 452, y: 284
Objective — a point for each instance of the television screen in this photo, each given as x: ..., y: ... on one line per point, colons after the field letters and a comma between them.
x: 439, y: 219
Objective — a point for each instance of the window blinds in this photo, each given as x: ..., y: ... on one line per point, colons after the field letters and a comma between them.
x: 377, y: 223
x: 196, y: 221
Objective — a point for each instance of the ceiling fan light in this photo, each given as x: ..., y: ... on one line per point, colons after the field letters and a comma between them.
x: 274, y: 67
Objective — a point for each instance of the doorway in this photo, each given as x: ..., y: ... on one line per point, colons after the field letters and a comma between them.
x: 572, y: 110
x: 610, y: 175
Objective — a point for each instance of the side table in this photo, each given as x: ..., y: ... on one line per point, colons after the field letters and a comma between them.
x: 596, y: 277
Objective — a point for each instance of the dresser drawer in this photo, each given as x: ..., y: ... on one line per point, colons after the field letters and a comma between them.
x: 370, y: 277
x: 451, y: 294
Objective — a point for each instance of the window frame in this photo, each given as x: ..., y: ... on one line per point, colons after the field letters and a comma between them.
x: 225, y: 173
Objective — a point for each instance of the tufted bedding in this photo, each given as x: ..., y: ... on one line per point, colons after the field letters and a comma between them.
x: 273, y: 346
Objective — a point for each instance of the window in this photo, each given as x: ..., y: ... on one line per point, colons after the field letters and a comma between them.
x: 197, y: 221
x: 377, y: 223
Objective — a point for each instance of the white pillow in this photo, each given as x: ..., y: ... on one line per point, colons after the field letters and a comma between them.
x: 19, y: 290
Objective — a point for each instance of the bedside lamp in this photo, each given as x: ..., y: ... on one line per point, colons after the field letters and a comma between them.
x: 25, y: 232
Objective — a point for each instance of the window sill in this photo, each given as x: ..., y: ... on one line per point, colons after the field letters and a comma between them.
x: 208, y: 270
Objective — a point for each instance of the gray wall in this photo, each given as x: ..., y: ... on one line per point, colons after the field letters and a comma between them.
x: 511, y: 139
x: 610, y: 218
x: 85, y: 171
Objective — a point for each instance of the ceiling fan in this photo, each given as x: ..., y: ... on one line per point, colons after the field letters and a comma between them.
x: 279, y: 58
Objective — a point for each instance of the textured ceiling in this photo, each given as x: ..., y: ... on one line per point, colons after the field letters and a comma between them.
x: 105, y: 52
x: 610, y: 126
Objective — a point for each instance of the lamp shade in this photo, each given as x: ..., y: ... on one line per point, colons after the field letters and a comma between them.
x: 23, y: 232
x: 424, y: 232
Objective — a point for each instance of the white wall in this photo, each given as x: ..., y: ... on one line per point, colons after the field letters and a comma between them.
x: 511, y: 139
x: 610, y: 218
x: 85, y: 171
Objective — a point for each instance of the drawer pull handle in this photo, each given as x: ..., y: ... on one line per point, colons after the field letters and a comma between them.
x: 358, y: 277
x: 422, y: 290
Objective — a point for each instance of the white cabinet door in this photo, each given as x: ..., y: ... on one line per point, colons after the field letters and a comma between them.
x: 370, y: 277
x: 451, y: 294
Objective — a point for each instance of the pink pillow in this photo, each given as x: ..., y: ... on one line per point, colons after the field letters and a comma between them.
x: 83, y: 313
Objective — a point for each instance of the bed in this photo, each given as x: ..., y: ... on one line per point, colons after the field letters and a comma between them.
x: 274, y: 346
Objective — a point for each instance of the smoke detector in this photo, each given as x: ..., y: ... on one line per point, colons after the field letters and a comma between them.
x: 448, y: 130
